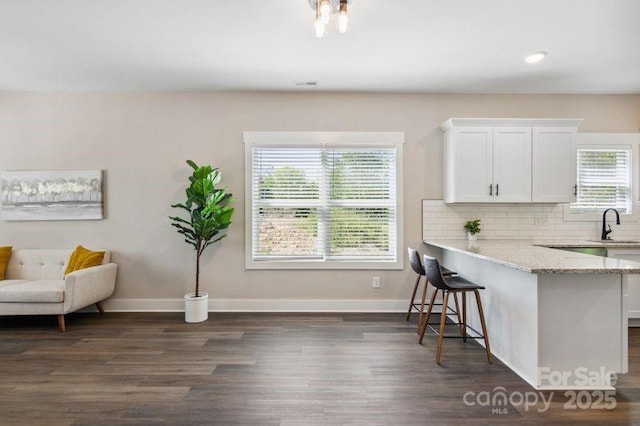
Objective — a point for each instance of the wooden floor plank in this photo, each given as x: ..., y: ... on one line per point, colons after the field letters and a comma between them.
x: 93, y: 392
x: 202, y: 357
x: 134, y: 369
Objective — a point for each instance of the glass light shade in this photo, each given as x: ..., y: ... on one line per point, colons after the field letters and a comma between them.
x: 343, y: 18
x: 325, y: 10
x: 320, y: 28
x: 343, y: 23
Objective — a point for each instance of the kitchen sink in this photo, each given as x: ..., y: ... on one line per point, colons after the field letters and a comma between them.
x: 597, y: 251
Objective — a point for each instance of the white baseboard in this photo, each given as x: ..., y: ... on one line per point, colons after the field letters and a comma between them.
x: 260, y: 305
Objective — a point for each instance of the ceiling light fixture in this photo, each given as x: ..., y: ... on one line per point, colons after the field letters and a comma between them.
x: 535, y: 57
x: 324, y: 9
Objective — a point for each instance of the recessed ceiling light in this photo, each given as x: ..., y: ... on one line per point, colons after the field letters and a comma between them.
x: 535, y: 57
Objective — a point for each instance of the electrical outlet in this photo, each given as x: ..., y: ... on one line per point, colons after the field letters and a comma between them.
x: 376, y: 282
x: 540, y: 219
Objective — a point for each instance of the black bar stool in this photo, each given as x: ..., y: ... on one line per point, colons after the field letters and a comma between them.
x: 453, y: 285
x: 416, y: 265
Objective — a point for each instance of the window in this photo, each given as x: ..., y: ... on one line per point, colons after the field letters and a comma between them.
x: 604, y: 179
x: 323, y: 200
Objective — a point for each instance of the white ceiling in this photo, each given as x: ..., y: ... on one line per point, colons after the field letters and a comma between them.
x: 436, y: 46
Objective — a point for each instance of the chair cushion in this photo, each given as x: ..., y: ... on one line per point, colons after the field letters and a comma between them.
x: 40, y: 291
x: 82, y: 258
x: 5, y: 254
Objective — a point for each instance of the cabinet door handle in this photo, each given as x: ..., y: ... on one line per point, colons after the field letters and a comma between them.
x: 497, y: 189
x: 491, y: 190
x: 575, y: 190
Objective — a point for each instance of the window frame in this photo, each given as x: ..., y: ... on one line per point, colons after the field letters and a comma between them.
x: 612, y: 141
x: 332, y: 139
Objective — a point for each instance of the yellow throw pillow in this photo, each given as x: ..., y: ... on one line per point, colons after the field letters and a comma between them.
x: 82, y: 258
x: 5, y: 254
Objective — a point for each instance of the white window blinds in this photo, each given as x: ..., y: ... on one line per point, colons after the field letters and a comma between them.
x: 604, y: 180
x: 324, y: 203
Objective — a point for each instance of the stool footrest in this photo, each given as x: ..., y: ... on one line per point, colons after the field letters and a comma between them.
x: 477, y: 334
x: 417, y: 306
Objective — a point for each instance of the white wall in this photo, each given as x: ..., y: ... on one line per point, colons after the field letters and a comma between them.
x: 141, y: 140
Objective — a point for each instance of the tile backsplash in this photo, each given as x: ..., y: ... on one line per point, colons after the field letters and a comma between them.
x: 516, y: 221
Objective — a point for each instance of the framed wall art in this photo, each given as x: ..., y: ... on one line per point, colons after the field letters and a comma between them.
x: 51, y: 195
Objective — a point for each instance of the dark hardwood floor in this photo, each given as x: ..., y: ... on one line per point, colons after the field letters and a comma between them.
x: 264, y: 369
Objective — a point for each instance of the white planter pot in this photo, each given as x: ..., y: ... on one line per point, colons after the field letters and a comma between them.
x: 472, y: 237
x: 196, y: 309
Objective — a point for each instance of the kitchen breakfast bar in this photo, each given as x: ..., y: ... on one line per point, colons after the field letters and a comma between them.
x: 557, y: 318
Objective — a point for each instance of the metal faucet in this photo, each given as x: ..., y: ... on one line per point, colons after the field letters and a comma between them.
x: 605, y: 232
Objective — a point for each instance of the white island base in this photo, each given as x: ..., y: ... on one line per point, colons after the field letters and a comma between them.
x: 558, y: 331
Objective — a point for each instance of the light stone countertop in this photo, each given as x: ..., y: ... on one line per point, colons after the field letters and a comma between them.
x: 538, y: 258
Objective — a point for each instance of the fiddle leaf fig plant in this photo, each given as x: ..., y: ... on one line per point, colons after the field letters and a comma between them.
x: 208, y: 212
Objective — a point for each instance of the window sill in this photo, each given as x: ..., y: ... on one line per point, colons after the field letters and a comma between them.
x: 322, y: 265
x: 568, y: 216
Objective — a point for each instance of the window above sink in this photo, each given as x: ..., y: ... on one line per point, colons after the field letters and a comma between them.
x: 604, y: 179
x: 607, y: 177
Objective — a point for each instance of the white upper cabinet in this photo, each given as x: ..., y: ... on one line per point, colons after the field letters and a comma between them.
x: 473, y: 171
x: 509, y: 160
x: 554, y: 165
x: 512, y: 164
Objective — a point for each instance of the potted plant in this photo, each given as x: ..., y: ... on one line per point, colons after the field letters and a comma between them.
x: 209, y: 213
x: 473, y: 229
